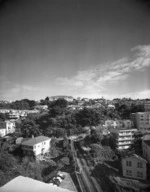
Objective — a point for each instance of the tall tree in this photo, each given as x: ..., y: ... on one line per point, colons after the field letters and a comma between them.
x: 29, y: 128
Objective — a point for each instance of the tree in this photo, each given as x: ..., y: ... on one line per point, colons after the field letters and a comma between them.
x: 29, y: 129
x: 65, y: 161
x: 96, y: 136
x: 2, y: 117
x: 58, y: 107
x: 88, y: 117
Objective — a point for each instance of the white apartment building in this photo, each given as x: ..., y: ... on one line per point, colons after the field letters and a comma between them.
x: 36, y: 147
x: 141, y: 121
x: 134, y: 166
x: 125, y: 138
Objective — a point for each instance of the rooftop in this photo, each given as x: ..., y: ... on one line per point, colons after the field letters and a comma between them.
x: 136, y: 156
x: 35, y: 140
x: 26, y: 184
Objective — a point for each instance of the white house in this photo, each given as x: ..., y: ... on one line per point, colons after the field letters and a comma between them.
x: 7, y: 127
x: 134, y: 166
x: 36, y: 147
x: 2, y: 129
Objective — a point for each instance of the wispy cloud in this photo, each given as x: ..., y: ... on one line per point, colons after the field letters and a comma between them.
x: 95, y: 81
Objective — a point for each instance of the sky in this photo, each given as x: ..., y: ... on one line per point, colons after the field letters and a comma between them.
x: 80, y: 48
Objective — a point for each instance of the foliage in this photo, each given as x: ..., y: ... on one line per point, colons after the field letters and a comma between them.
x: 29, y: 128
x: 102, y: 153
x: 88, y: 117
x: 96, y: 136
x: 21, y: 104
x: 58, y: 107
x: 2, y: 117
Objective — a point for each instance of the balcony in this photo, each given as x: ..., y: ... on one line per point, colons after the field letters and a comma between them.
x: 125, y: 138
x: 124, y: 143
x: 125, y: 133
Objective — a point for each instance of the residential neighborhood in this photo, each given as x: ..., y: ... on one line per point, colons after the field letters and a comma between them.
x: 74, y: 95
x: 56, y: 138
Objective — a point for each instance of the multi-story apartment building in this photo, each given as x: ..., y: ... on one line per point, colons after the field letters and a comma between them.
x: 141, y: 121
x: 36, y: 147
x: 134, y: 166
x: 123, y: 138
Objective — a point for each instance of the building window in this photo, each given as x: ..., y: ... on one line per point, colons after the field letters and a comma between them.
x: 139, y: 174
x: 128, y: 172
x: 140, y: 165
x: 128, y: 163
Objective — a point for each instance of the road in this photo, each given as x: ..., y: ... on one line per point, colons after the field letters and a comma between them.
x: 86, y: 169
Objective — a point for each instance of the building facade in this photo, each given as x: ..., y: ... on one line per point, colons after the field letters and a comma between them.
x: 135, y: 167
x: 7, y: 127
x: 123, y: 138
x: 146, y: 147
x: 36, y: 147
x: 127, y: 123
x: 141, y: 121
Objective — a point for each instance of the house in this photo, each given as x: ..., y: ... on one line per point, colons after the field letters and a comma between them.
x: 146, y: 147
x: 36, y: 147
x: 134, y: 166
x: 7, y: 127
x: 2, y: 129
x: 10, y: 126
x: 13, y: 114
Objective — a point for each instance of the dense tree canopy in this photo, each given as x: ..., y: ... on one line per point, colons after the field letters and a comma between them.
x: 29, y: 128
x: 88, y: 117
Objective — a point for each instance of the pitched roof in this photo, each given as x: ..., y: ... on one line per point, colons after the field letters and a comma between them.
x: 135, y: 156
x: 147, y: 142
x: 35, y: 140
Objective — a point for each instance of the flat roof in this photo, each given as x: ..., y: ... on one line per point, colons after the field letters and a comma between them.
x: 35, y: 140
x: 26, y: 184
